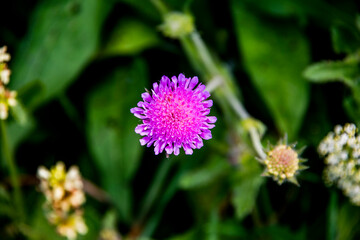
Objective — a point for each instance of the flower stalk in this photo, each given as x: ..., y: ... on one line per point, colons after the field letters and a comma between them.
x: 7, y: 101
x: 203, y: 61
x: 225, y: 89
x: 153, y: 192
x: 14, y: 178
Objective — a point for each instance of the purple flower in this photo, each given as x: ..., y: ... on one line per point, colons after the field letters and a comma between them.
x: 174, y: 115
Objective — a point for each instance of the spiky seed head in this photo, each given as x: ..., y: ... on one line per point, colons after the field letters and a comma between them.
x: 283, y: 163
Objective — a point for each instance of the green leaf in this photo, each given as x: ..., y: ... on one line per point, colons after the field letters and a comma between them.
x: 145, y: 7
x: 93, y: 222
x: 109, y: 220
x: 281, y: 8
x: 275, y: 54
x: 62, y: 39
x: 190, y: 235
x: 278, y: 232
x: 225, y: 230
x: 4, y: 195
x: 231, y: 229
x: 352, y: 109
x: 245, y: 186
x: 7, y: 210
x: 19, y: 113
x: 206, y: 174
x: 348, y: 222
x: 18, y: 132
x: 343, y: 71
x: 110, y: 128
x: 345, y: 40
x: 40, y: 228
x: 29, y: 93
x: 130, y: 37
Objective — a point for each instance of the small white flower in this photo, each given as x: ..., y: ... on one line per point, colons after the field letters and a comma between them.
x: 332, y: 159
x: 12, y: 98
x: 3, y: 111
x: 343, y: 160
x: 58, y: 193
x: 4, y: 57
x: 5, y: 76
x: 43, y: 173
x: 343, y: 140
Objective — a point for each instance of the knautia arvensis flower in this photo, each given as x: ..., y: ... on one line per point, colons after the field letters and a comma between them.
x: 175, y: 115
x: 341, y: 150
x: 283, y: 163
x: 7, y: 97
x: 64, y: 198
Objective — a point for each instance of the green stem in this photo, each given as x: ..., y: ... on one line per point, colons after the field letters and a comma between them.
x: 155, y: 218
x: 204, y: 54
x: 255, y: 138
x: 160, y: 5
x: 332, y: 213
x: 9, y: 157
x: 200, y: 56
x: 213, y: 225
x: 155, y: 188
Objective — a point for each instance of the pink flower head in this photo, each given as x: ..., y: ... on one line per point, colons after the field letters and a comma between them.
x: 174, y: 115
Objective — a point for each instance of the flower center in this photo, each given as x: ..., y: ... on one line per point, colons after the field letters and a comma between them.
x: 283, y: 160
x: 178, y: 112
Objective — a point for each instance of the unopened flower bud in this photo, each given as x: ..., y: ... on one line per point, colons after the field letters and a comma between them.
x: 283, y: 163
x: 177, y: 24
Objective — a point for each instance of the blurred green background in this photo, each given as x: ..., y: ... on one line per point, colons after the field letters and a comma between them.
x: 80, y: 65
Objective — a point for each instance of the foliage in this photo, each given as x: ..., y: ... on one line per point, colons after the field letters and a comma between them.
x: 79, y: 66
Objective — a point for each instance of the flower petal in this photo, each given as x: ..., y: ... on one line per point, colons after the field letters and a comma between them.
x: 211, y: 119
x: 193, y: 82
x: 188, y: 150
x: 144, y: 140
x: 208, y: 103
x: 146, y: 96
x: 169, y: 149
x: 206, y: 134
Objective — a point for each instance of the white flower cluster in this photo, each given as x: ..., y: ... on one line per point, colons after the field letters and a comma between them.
x: 7, y: 98
x: 341, y: 150
x: 64, y: 198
